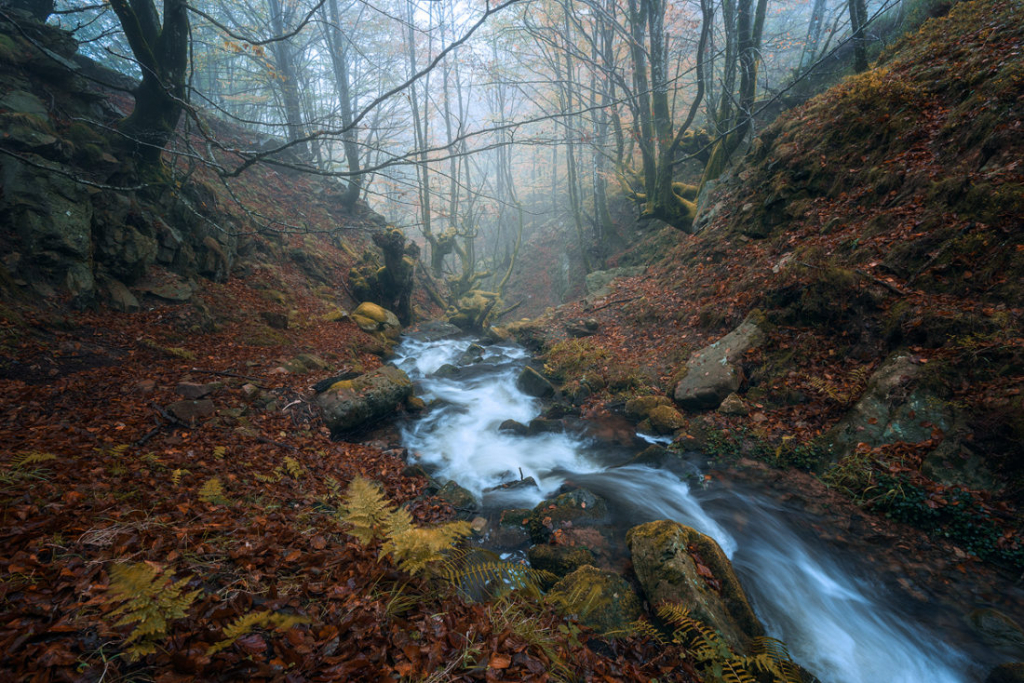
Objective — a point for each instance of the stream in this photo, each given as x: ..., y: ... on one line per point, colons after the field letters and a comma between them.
x: 837, y: 621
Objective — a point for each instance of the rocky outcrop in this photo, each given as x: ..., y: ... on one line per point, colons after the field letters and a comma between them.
x: 675, y: 563
x: 599, y: 599
x: 350, y: 404
x: 712, y: 373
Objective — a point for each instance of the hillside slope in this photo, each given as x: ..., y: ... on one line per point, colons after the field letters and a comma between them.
x: 880, y: 221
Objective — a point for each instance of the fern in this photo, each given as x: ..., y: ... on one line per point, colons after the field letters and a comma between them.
x: 219, y: 452
x: 412, y: 548
x: 212, y: 492
x: 245, y: 624
x: 148, y: 600
x: 29, y: 458
x: 271, y: 478
x: 477, y: 573
x: 769, y: 655
x: 366, y: 510
x: 293, y: 468
x: 176, y: 476
x: 646, y: 629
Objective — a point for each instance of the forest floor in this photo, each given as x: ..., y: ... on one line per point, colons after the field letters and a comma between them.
x: 101, y: 469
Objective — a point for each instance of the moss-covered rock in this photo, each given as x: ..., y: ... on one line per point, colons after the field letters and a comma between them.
x: 458, y: 497
x: 350, y: 404
x: 532, y: 383
x: 371, y: 317
x: 640, y: 408
x: 559, y: 559
x: 675, y: 563
x: 599, y: 599
x: 666, y: 420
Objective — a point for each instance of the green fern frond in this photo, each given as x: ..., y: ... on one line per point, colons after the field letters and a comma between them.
x: 29, y: 458
x: 366, y: 510
x: 212, y: 492
x: 148, y: 600
x: 247, y: 623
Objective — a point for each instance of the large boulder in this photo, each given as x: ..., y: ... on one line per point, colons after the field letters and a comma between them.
x: 532, y: 383
x: 712, y: 373
x: 598, y: 282
x: 675, y: 563
x: 353, y: 403
x: 370, y: 317
x: 893, y: 408
x: 602, y: 600
x: 434, y: 330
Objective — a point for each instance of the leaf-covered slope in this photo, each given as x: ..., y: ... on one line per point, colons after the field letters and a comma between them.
x: 885, y: 215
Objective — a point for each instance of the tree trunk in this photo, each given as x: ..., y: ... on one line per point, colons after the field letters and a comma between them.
x: 858, y: 20
x: 162, y: 54
x: 339, y: 61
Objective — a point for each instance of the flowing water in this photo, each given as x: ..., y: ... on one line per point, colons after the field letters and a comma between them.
x: 837, y: 623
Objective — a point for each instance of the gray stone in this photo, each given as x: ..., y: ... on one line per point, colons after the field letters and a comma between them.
x: 532, y: 383
x: 190, y: 411
x: 354, y: 403
x: 25, y: 103
x: 674, y: 563
x: 456, y: 496
x: 891, y: 409
x: 545, y: 426
x: 513, y: 427
x: 194, y: 391
x: 998, y: 631
x: 434, y: 330
x: 598, y: 283
x: 712, y: 373
x: 579, y: 507
x: 118, y: 296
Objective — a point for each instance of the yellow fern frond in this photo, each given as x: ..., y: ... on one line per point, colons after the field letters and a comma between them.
x: 245, y: 624
x: 366, y: 510
x: 148, y: 600
x: 212, y: 492
x: 293, y: 468
x: 120, y: 449
x: 333, y: 488
x: 646, y: 629
x: 176, y: 476
x: 495, y: 577
x: 31, y: 458
x: 272, y: 478
x: 413, y: 548
x: 771, y: 656
x: 734, y: 671
x: 219, y: 452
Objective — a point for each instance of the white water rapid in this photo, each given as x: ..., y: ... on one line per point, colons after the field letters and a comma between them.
x: 835, y: 622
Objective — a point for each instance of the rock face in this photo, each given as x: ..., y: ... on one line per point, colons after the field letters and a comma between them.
x: 675, y: 563
x: 350, y: 404
x: 601, y: 600
x: 712, y: 373
x: 532, y: 383
x: 434, y: 330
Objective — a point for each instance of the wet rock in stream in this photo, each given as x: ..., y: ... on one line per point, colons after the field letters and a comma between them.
x: 675, y: 563
x: 575, y: 508
x: 599, y: 599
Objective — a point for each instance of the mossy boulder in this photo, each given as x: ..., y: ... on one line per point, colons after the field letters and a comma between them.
x: 675, y: 563
x: 666, y: 420
x: 640, y: 408
x: 559, y: 559
x: 370, y: 317
x: 532, y: 383
x: 579, y: 507
x: 351, y: 404
x: 602, y: 600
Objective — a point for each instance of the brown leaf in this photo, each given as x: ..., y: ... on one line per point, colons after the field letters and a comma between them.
x: 499, y: 661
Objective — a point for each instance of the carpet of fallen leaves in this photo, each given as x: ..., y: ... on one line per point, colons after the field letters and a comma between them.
x: 116, y: 478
